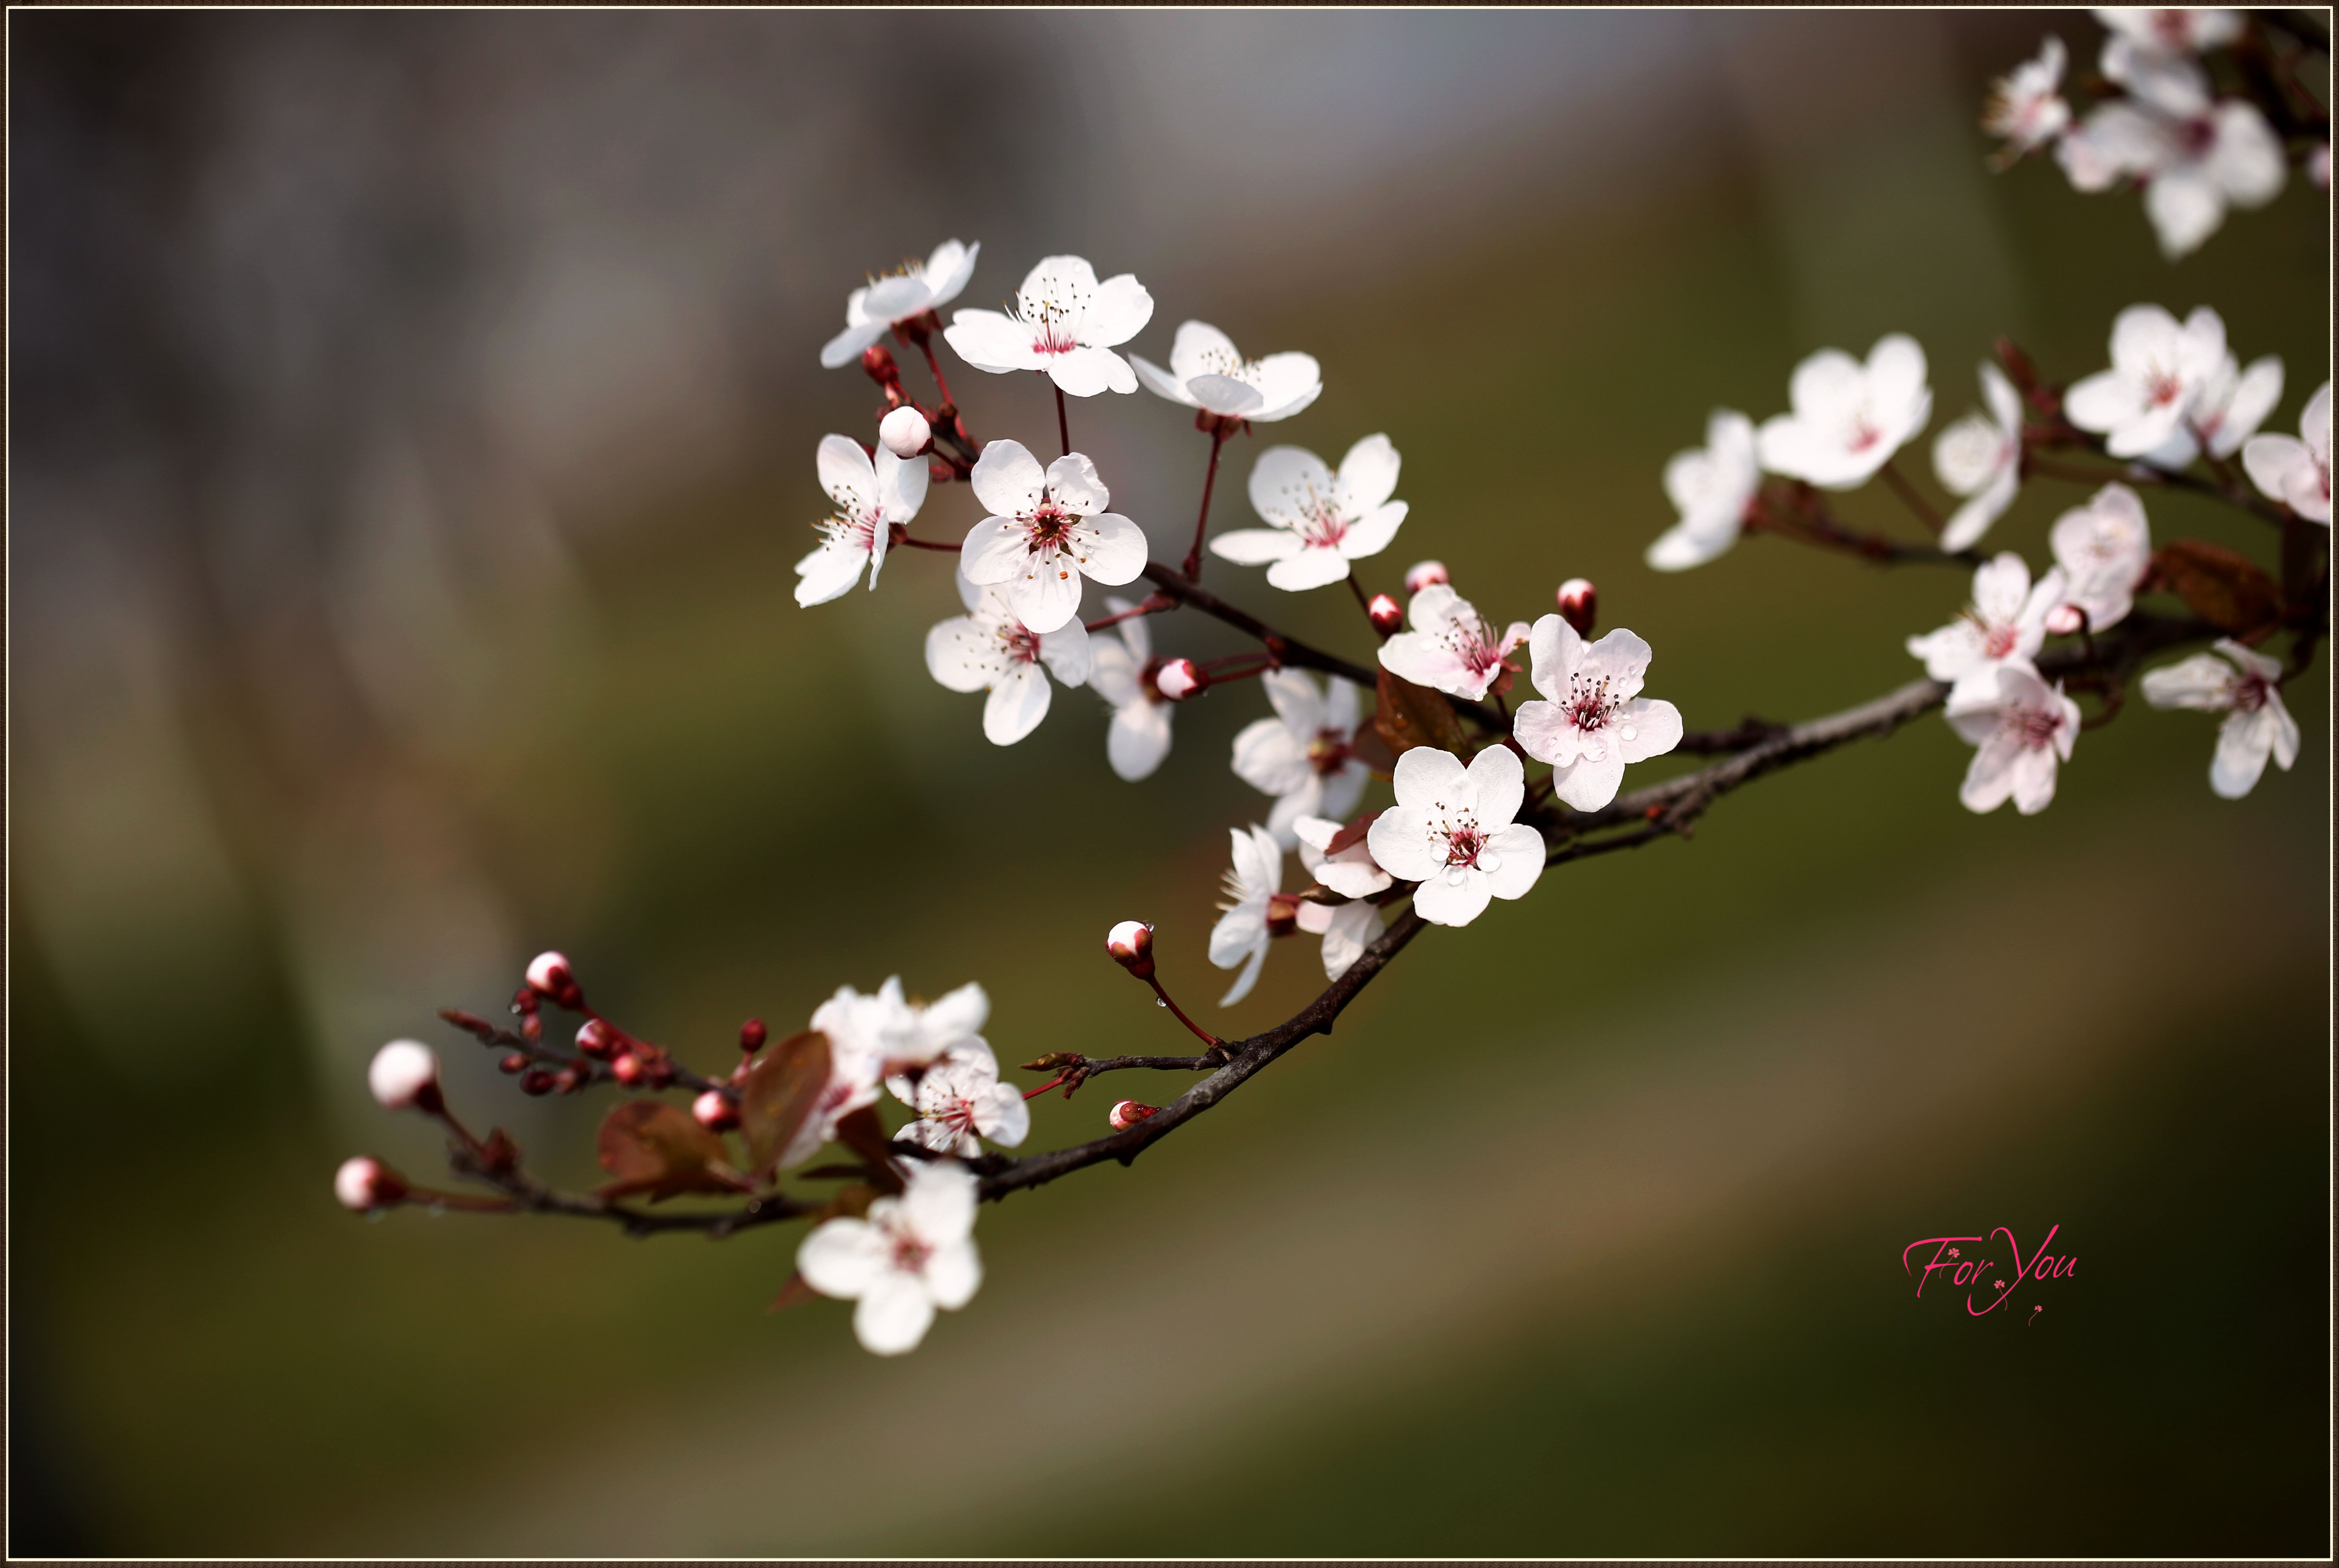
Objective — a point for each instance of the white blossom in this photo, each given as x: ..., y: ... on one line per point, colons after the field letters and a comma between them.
x: 1347, y: 929
x: 1303, y: 756
x: 1241, y: 936
x: 2196, y: 154
x: 870, y: 498
x: 401, y: 1073
x: 1711, y: 487
x: 960, y: 1101
x: 878, y: 1038
x: 1595, y: 720
x: 1064, y: 323
x: 1451, y: 648
x: 2227, y: 408
x: 1321, y: 521
x: 1206, y: 372
x: 2102, y: 549
x: 2006, y: 622
x: 1047, y: 530
x: 1452, y: 831
x: 2023, y: 728
x: 2297, y: 473
x: 2172, y: 30
x: 1979, y: 458
x: 1849, y: 418
x: 989, y: 648
x: 1119, y: 668
x: 2246, y: 690
x: 900, y: 296
x: 2158, y: 370
x: 2025, y: 105
x: 913, y: 1254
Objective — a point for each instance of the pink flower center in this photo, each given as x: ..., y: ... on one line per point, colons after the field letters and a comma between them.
x: 2161, y: 389
x: 1050, y: 324
x: 1997, y: 641
x: 1021, y: 642
x: 910, y: 1253
x: 1463, y: 845
x: 1862, y: 435
x: 2038, y: 726
x: 1051, y: 524
x: 1589, y: 706
x: 1329, y: 752
x: 1323, y: 527
x: 2250, y: 693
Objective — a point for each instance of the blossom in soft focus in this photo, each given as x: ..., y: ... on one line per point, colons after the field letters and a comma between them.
x: 2172, y: 30
x: 1138, y: 736
x: 1048, y: 528
x: 2297, y: 473
x: 363, y: 1184
x: 2023, y: 729
x: 2025, y: 107
x: 873, y: 1038
x: 1241, y: 936
x: 1451, y: 648
x: 1849, y: 418
x: 905, y: 432
x: 870, y: 497
x: 2006, y: 622
x: 2227, y: 410
x: 1302, y: 755
x: 2318, y: 166
x: 1064, y: 323
x: 1711, y: 486
x: 1421, y: 574
x: 2243, y: 687
x: 1206, y: 372
x: 402, y: 1074
x: 1351, y: 871
x: 960, y: 1101
x: 1452, y: 831
x: 989, y: 648
x: 1979, y: 458
x: 901, y: 296
x: 2102, y: 549
x: 2196, y: 154
x: 2158, y: 370
x: 1321, y: 521
x: 913, y: 1254
x: 1595, y: 720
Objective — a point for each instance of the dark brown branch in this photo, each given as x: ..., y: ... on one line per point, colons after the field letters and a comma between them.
x: 1795, y: 511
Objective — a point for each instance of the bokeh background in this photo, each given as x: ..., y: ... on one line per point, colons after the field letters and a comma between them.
x: 412, y: 430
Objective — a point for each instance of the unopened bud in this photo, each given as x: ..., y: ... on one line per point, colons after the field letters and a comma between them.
x: 1180, y: 679
x: 1386, y: 615
x: 549, y: 975
x: 469, y: 1020
x: 627, y: 1068
x: 1579, y: 605
x: 531, y: 1029
x: 514, y: 1062
x: 364, y: 1184
x: 536, y: 1080
x: 2065, y: 619
x: 715, y: 1110
x: 568, y: 1081
x: 405, y: 1074
x: 1128, y: 1113
x: 905, y: 432
x: 1282, y: 913
x: 594, y: 1039
x: 524, y: 1001
x: 752, y: 1035
x: 1132, y: 945
x: 1421, y: 574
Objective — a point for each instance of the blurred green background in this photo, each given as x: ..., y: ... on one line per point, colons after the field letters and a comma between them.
x: 413, y: 418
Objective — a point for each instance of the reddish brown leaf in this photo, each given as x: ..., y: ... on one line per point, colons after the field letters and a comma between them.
x: 661, y: 1149
x: 1353, y: 834
x: 863, y: 1133
x: 778, y: 1093
x: 795, y: 1293
x: 1409, y: 716
x: 2227, y: 589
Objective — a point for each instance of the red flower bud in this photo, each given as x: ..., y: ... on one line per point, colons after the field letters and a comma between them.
x: 549, y: 975
x: 1421, y: 574
x: 627, y: 1068
x: 1178, y: 679
x: 1128, y: 1113
x: 1386, y: 615
x: 752, y: 1035
x: 365, y: 1184
x: 514, y: 1062
x: 536, y: 1080
x: 568, y: 1081
x: 594, y: 1039
x: 1282, y: 913
x: 1579, y: 605
x: 715, y: 1110
x: 1132, y: 945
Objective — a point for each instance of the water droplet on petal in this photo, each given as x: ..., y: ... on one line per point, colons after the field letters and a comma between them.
x: 1628, y: 732
x: 1488, y: 860
x: 1456, y: 875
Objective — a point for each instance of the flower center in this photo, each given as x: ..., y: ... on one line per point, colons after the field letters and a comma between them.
x: 1862, y: 435
x: 859, y: 532
x: 1323, y: 526
x: 1051, y: 524
x: 2250, y: 693
x: 1589, y: 707
x: 1051, y: 324
x: 1329, y: 752
x: 2038, y: 726
x: 1472, y: 644
x: 2161, y: 387
x: 1464, y: 844
x: 1019, y: 643
x: 910, y: 1253
x: 1998, y: 642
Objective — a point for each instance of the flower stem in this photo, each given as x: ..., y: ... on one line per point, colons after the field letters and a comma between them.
x: 926, y: 346
x: 1151, y: 605
x: 1210, y: 478
x: 1915, y: 502
x: 1063, y: 427
x: 1204, y: 1035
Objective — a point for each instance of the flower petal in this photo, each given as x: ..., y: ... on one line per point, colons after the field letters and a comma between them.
x: 991, y: 342
x: 1289, y: 485
x: 1008, y: 479
x: 1367, y: 475
x: 843, y: 1257
x: 1400, y: 843
x: 1442, y: 902
x: 1258, y: 547
x: 1016, y: 706
x: 1138, y: 739
x: 1065, y: 651
x: 1112, y: 548
x: 1075, y: 485
x: 1119, y: 313
x: 1312, y: 567
x: 894, y: 1316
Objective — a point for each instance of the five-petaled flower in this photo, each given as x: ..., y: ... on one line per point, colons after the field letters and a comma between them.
x: 2246, y: 691
x: 2172, y: 30
x: 913, y: 1254
x: 1711, y: 487
x: 1120, y: 669
x: 1048, y: 529
x: 1451, y: 648
x: 1064, y: 323
x: 870, y: 498
x: 2102, y: 549
x: 1252, y: 882
x: 1206, y: 373
x: 1452, y: 831
x: 876, y: 1038
x: 1350, y: 871
x: 2006, y: 622
x: 2297, y: 472
x: 2196, y: 155
x: 1596, y: 721
x: 2023, y: 728
x: 990, y: 649
x: 2158, y: 369
x: 1322, y: 521
x: 900, y: 297
x: 1304, y: 755
x: 1849, y: 418
x: 1979, y: 458
x: 2025, y: 105
x: 960, y: 1101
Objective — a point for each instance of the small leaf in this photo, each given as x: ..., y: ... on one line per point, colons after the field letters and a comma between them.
x: 795, y: 1293
x: 778, y: 1093
x: 1353, y: 834
x: 661, y: 1149
x: 863, y: 1133
x: 2227, y: 589
x: 1409, y: 716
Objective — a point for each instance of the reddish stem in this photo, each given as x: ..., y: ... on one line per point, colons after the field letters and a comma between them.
x: 1915, y: 502
x: 1151, y: 605
x: 1204, y: 1035
x: 1047, y: 1086
x: 1210, y: 478
x: 1063, y: 427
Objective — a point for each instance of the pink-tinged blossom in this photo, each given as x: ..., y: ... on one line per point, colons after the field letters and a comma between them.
x: 2159, y: 369
x: 898, y: 297
x: 1979, y: 458
x: 1048, y: 528
x: 363, y: 1185
x: 2102, y: 549
x: 403, y: 1074
x: 2025, y: 107
x: 1303, y: 756
x: 1452, y: 648
x: 2227, y: 410
x: 960, y: 1101
x: 1321, y: 521
x: 1452, y: 831
x: 2318, y: 167
x: 2174, y: 30
x: 2244, y: 687
x: 1347, y: 929
x: 989, y: 648
x: 2297, y: 473
x: 1421, y: 574
x: 876, y: 1038
x: 1206, y: 372
x: 1595, y: 720
x: 870, y: 498
x: 911, y: 1254
x: 1120, y: 669
x: 2006, y: 622
x: 1064, y: 323
x: 1849, y: 418
x: 1251, y: 883
x: 2196, y: 154
x: 1711, y: 487
x: 2023, y: 727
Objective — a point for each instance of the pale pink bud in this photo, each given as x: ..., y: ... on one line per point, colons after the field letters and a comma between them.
x: 1128, y: 1113
x: 1180, y: 679
x: 2065, y: 619
x: 627, y: 1068
x: 548, y: 975
x: 905, y: 432
x: 404, y: 1074
x: 1386, y: 615
x: 715, y: 1110
x: 1579, y: 605
x: 363, y: 1184
x: 593, y: 1038
x: 1421, y: 574
x: 1132, y: 945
